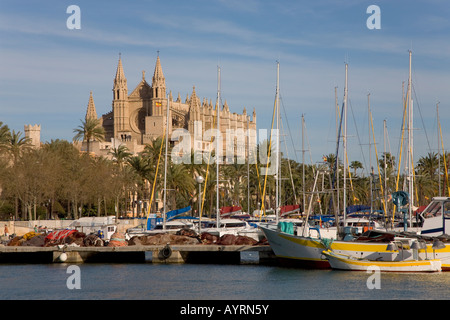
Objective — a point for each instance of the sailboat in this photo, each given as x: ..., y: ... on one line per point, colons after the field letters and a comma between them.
x: 281, y: 219
x: 171, y: 221
x: 308, y: 251
x: 232, y: 226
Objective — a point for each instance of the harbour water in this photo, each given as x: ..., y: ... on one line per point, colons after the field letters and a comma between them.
x: 146, y: 281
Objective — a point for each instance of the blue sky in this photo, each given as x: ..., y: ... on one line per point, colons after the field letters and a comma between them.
x: 47, y: 70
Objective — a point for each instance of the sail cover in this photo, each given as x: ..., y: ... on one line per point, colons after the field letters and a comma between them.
x: 226, y: 211
x: 289, y: 209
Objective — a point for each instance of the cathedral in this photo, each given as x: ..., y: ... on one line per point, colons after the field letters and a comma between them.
x: 139, y: 117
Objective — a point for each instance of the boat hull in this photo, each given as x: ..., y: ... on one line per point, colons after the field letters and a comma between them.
x: 343, y: 262
x: 308, y: 252
x: 295, y: 250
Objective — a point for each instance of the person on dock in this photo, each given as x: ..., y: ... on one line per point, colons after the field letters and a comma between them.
x: 6, y: 231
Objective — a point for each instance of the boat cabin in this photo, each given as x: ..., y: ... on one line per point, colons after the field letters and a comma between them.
x: 359, y: 225
x: 104, y: 227
x: 436, y: 217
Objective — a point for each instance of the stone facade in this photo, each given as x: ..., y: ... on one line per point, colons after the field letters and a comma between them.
x: 140, y: 117
x: 34, y: 134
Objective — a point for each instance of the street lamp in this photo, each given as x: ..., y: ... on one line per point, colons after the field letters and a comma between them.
x: 199, y: 180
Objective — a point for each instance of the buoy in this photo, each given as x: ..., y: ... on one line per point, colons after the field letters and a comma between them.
x: 63, y: 257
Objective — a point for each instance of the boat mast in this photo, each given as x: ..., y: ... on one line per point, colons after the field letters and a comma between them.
x: 385, y: 164
x: 218, y: 151
x: 439, y: 147
x: 345, y: 142
x: 410, y: 143
x: 277, y: 159
x: 303, y: 161
x: 338, y: 133
x: 165, y: 164
x: 370, y: 157
x: 248, y: 166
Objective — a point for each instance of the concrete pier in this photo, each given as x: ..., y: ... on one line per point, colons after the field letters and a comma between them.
x: 207, y: 254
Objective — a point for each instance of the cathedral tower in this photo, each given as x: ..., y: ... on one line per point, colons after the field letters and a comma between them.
x: 155, y: 122
x: 120, y: 104
x: 158, y: 90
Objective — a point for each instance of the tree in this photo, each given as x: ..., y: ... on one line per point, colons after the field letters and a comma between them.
x: 89, y: 130
x: 427, y: 181
x: 142, y: 169
x: 16, y: 144
x: 5, y: 135
x: 120, y: 155
x: 356, y: 165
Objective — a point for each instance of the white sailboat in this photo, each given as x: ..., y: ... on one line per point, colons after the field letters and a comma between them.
x: 226, y: 226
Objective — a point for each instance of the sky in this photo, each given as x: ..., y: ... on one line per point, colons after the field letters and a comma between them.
x: 47, y: 70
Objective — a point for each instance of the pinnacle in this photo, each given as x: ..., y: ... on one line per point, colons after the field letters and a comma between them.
x: 120, y: 75
x: 158, y: 74
x: 91, y: 113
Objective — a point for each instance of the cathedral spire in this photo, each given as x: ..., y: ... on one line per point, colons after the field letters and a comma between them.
x: 120, y: 82
x: 91, y: 113
x: 120, y: 75
x: 158, y: 75
x: 158, y: 81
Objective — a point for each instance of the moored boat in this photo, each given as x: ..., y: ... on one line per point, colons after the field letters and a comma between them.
x: 345, y: 262
x: 235, y: 227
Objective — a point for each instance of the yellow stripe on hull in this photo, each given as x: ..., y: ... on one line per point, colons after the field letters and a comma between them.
x: 347, y: 263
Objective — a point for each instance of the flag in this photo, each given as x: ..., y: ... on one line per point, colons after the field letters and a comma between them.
x: 158, y: 104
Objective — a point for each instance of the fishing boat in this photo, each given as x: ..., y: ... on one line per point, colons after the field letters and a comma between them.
x: 105, y: 227
x: 436, y: 217
x: 306, y: 250
x: 345, y: 262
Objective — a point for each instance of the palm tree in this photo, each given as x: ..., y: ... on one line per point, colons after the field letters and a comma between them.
x: 356, y: 165
x: 5, y: 134
x: 120, y: 155
x: 89, y: 130
x: 427, y: 173
x: 180, y: 184
x: 16, y: 144
x: 142, y: 169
